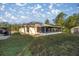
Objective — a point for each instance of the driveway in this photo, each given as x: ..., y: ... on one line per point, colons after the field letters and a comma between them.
x: 3, y: 37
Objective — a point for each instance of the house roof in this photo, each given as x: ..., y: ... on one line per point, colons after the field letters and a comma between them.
x: 76, y: 27
x: 48, y: 25
x: 33, y: 23
x: 38, y: 24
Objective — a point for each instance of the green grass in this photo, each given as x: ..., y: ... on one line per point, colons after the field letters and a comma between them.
x: 56, y: 45
x: 15, y: 44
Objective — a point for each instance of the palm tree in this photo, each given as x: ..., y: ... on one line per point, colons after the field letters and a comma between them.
x: 77, y: 18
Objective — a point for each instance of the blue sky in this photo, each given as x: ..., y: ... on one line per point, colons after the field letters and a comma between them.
x: 27, y: 12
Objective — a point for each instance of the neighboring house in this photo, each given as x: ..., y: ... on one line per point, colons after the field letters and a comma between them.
x: 38, y: 28
x: 75, y: 30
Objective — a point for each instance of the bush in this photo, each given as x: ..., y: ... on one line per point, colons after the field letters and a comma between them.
x: 66, y: 30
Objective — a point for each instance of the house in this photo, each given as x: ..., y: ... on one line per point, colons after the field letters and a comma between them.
x: 38, y: 28
x: 75, y: 30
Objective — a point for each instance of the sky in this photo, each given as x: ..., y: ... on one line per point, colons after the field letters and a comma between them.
x: 39, y: 12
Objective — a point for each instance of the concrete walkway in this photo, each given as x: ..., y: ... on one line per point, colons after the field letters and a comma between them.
x: 3, y: 37
x: 44, y: 34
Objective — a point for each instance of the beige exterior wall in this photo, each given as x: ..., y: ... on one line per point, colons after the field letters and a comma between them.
x: 23, y: 30
x: 72, y: 30
x: 32, y: 30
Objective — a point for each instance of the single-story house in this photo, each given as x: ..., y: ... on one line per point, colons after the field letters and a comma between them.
x: 75, y: 30
x: 38, y: 28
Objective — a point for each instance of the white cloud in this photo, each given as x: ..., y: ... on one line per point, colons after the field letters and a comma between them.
x: 13, y: 10
x: 7, y: 14
x: 43, y: 15
x: 30, y: 7
x: 50, y: 6
x: 20, y: 12
x: 20, y: 4
x: 38, y: 6
x: 34, y: 11
x: 23, y: 17
x: 13, y: 17
x: 2, y: 7
x: 55, y: 11
x: 48, y: 13
x: 42, y: 9
x: 2, y: 19
x: 10, y: 16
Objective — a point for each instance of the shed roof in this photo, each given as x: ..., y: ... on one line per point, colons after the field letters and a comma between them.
x: 76, y: 27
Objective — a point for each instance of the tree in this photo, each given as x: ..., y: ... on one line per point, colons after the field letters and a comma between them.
x: 59, y: 20
x: 77, y: 18
x: 47, y: 21
x: 15, y: 27
x: 71, y: 21
x: 4, y: 25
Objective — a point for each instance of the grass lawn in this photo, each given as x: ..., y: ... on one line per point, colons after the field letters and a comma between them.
x: 56, y: 45
x: 15, y: 44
